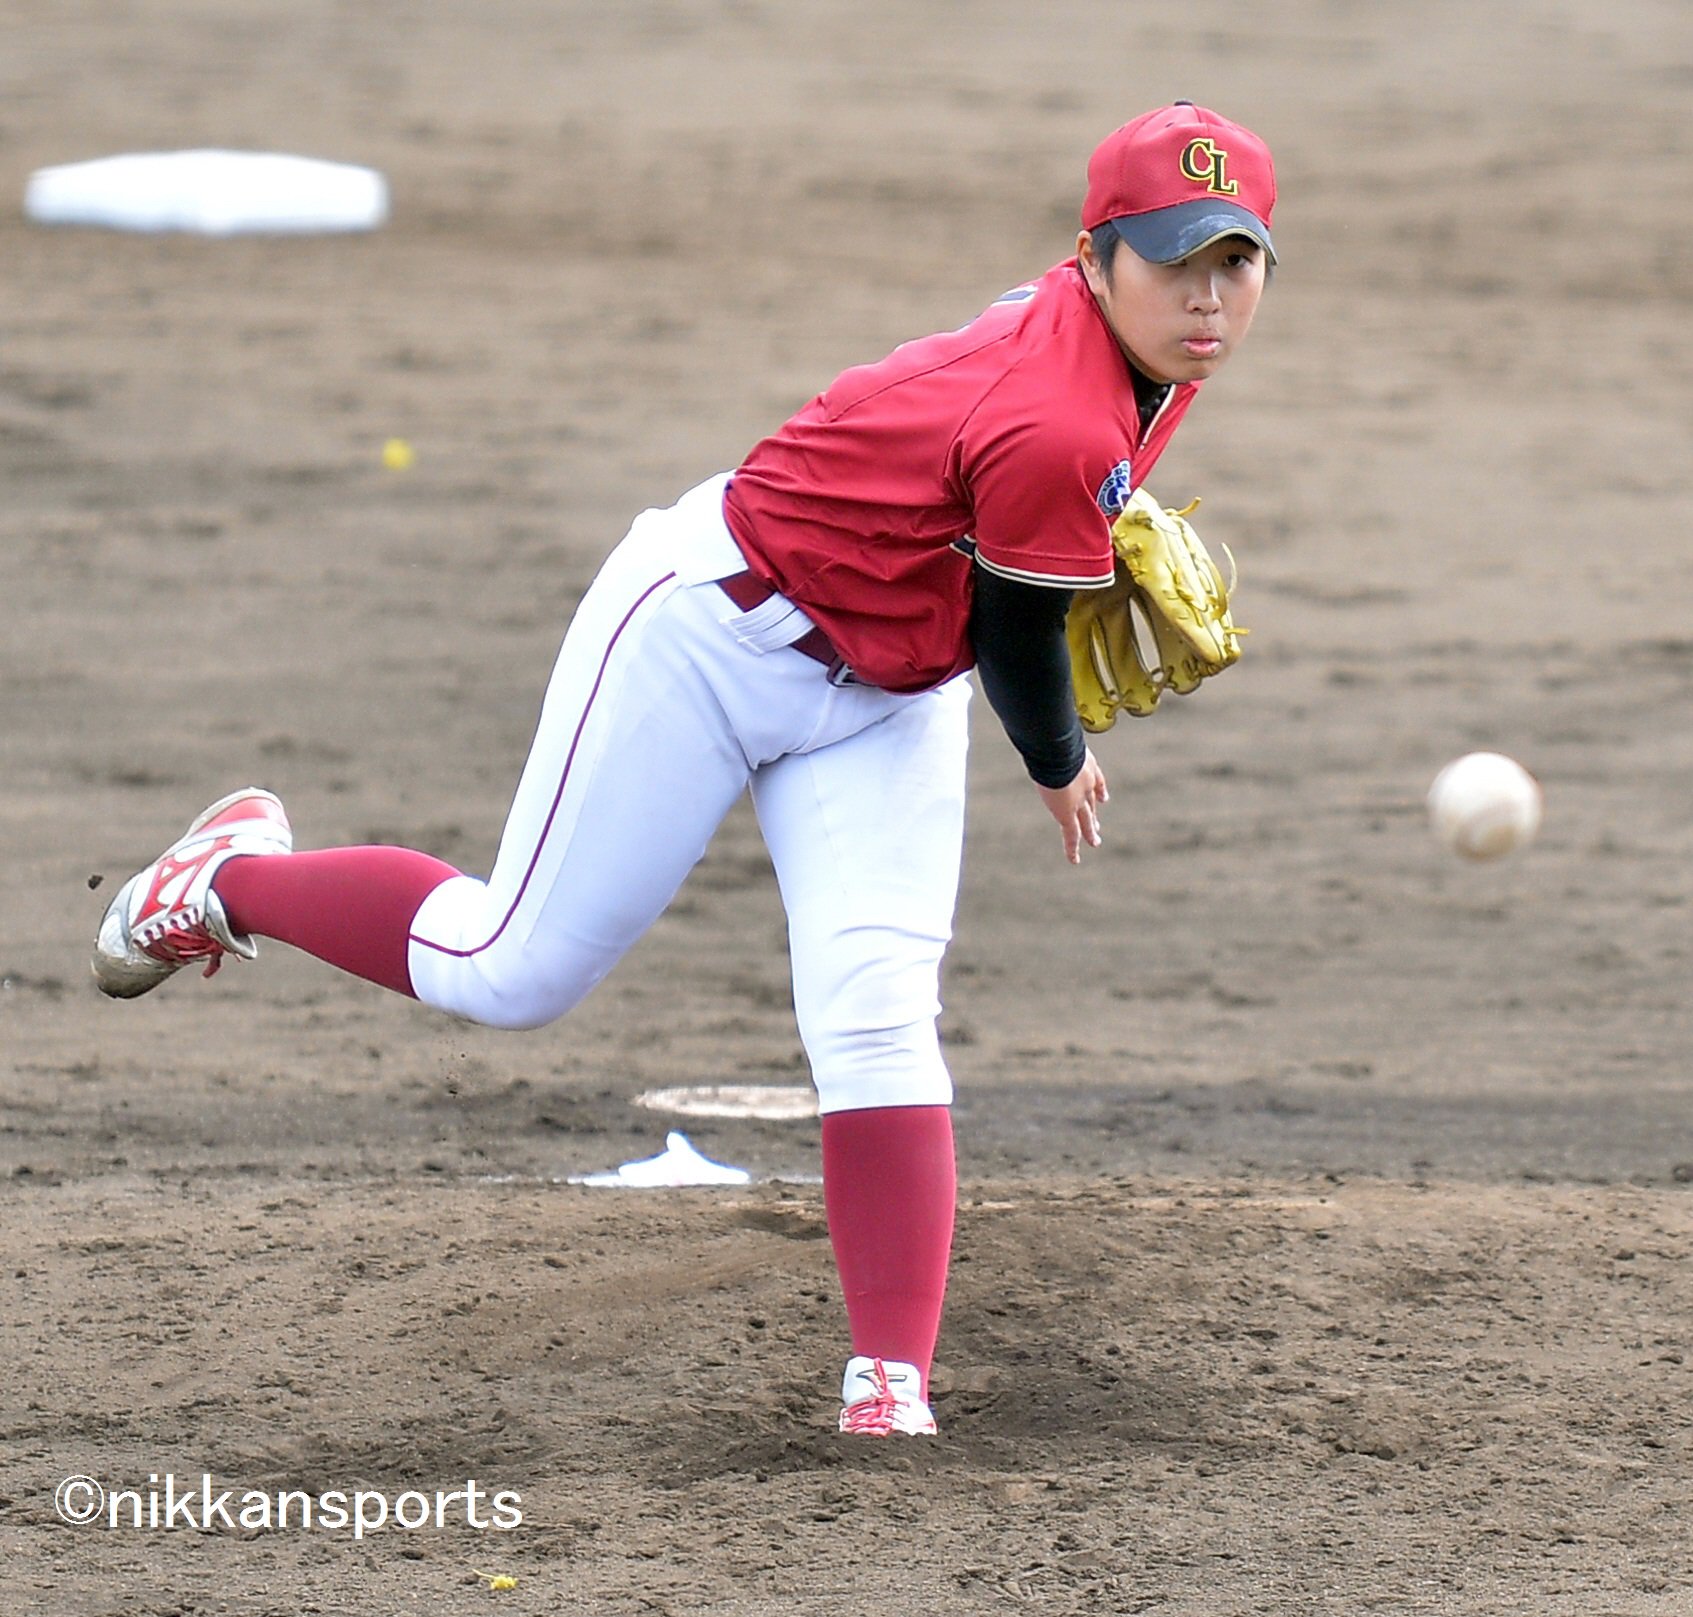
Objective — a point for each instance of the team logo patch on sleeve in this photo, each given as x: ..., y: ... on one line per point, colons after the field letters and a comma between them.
x: 1114, y: 492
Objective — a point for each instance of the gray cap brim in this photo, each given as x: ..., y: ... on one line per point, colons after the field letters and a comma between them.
x: 1166, y: 234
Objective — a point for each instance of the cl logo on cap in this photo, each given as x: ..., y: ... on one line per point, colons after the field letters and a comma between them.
x: 1205, y: 163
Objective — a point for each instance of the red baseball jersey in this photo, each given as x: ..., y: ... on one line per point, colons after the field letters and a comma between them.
x: 1015, y: 439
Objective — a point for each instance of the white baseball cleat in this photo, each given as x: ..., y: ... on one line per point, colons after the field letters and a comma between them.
x: 167, y: 916
x: 882, y: 1397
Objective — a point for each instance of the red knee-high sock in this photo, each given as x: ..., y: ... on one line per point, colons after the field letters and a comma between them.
x: 350, y: 906
x: 890, y: 1185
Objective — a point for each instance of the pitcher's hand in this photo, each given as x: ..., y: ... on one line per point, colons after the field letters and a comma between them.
x: 1076, y: 807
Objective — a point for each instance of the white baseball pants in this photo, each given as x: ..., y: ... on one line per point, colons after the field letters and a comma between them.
x: 667, y: 701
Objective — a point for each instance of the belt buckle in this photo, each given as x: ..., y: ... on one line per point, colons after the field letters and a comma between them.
x: 840, y: 674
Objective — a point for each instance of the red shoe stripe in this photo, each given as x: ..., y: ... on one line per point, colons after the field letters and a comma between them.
x: 247, y: 809
x: 171, y: 870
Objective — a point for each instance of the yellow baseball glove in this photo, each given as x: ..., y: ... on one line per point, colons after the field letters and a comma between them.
x: 1162, y: 624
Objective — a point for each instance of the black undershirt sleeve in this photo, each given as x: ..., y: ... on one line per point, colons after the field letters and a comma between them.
x: 1024, y: 664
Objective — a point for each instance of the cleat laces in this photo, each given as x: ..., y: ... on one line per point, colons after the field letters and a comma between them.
x: 875, y: 1414
x: 176, y: 933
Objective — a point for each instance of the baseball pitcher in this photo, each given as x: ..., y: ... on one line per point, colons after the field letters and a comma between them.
x: 803, y: 627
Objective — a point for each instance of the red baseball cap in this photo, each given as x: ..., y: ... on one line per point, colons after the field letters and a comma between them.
x: 1178, y: 178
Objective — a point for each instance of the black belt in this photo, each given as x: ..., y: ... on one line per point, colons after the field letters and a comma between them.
x: 747, y: 591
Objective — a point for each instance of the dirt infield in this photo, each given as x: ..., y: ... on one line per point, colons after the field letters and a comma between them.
x: 1325, y: 1203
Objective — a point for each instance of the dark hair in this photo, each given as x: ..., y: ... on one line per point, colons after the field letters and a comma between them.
x: 1105, y: 241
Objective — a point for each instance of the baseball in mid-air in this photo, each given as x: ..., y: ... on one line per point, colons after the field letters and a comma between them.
x: 1484, y: 804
